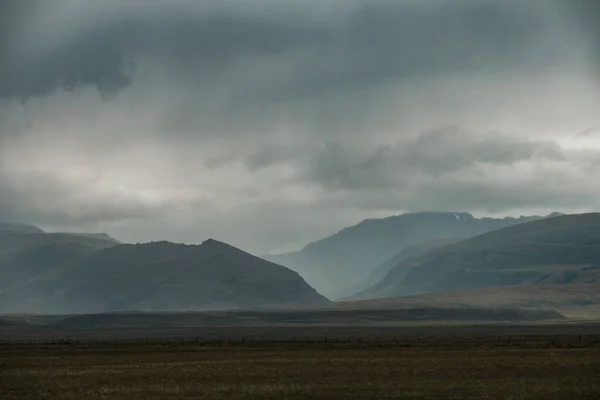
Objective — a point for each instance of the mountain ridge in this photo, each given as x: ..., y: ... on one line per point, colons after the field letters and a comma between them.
x: 23, y: 228
x: 161, y: 276
x: 345, y: 259
x: 509, y: 256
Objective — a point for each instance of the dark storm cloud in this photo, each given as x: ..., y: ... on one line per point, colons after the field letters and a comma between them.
x: 373, y: 43
x: 383, y: 41
x: 13, y: 13
x: 587, y: 14
x: 96, y: 58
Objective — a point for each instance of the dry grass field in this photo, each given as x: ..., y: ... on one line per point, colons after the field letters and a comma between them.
x: 440, y: 370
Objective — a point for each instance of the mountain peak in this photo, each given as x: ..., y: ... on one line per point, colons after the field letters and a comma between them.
x: 215, y: 244
x: 458, y: 215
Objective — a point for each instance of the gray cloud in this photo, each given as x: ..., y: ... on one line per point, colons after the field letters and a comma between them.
x: 432, y: 154
x: 269, y: 124
x: 372, y: 43
x: 586, y: 13
x: 91, y: 59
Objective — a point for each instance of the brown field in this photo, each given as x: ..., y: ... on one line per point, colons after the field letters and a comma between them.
x: 277, y: 355
x: 442, y: 369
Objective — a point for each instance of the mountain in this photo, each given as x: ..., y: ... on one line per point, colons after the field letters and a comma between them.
x: 23, y: 255
x: 342, y: 261
x: 163, y: 276
x: 13, y: 241
x: 381, y: 271
x: 7, y: 227
x: 546, y: 251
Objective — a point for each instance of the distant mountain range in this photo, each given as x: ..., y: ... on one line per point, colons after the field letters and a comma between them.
x: 71, y: 273
x: 340, y: 264
x: 23, y: 228
x: 562, y: 249
x: 24, y: 256
x: 8, y: 227
x: 426, y: 254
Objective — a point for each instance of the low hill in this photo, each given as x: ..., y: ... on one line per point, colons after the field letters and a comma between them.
x: 510, y: 256
x: 573, y: 300
x: 587, y: 275
x: 303, y: 318
x: 163, y: 276
x: 345, y: 259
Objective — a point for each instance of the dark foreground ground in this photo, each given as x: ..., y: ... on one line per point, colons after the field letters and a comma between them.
x: 360, y: 332
x: 186, y: 356
x: 549, y: 368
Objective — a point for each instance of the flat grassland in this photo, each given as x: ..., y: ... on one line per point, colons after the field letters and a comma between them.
x: 546, y: 369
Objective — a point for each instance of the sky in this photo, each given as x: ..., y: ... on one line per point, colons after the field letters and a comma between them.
x: 269, y: 124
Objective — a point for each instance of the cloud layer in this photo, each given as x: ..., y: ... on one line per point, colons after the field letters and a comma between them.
x: 268, y: 124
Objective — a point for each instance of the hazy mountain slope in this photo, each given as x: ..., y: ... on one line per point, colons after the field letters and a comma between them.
x: 22, y: 228
x: 25, y: 264
x: 23, y: 256
x: 164, y: 276
x: 380, y: 272
x: 509, y: 256
x: 11, y: 242
x: 342, y: 261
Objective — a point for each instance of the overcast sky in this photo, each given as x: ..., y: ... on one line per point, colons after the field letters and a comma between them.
x: 269, y: 124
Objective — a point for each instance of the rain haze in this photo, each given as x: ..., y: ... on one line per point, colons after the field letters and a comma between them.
x: 269, y: 124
